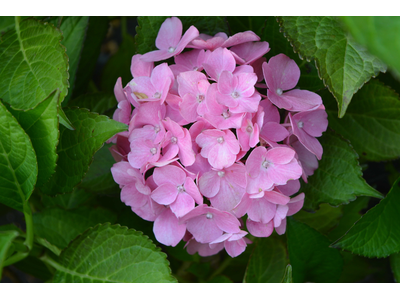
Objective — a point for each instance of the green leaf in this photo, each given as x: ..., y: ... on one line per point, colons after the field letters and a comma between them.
x: 34, y: 267
x: 63, y: 119
x: 395, y: 265
x: 377, y: 233
x: 253, y: 23
x: 96, y: 32
x: 6, y: 238
x: 100, y: 102
x: 112, y: 254
x: 69, y: 200
x: 33, y: 64
x: 379, y: 34
x: 76, y: 148
x: 267, y: 262
x: 338, y: 179
x: 99, y: 179
x: 205, y: 24
x: 6, y: 23
x: 323, y: 220
x: 372, y: 121
x: 119, y: 65
x: 59, y: 227
x: 146, y: 33
x: 41, y: 124
x: 310, y: 256
x: 343, y: 64
x: 18, y: 165
x: 288, y: 277
x: 74, y: 30
x: 220, y: 279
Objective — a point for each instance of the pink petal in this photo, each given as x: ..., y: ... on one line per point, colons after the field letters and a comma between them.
x: 296, y: 100
x: 276, y: 198
x: 192, y: 189
x: 140, y: 67
x: 165, y: 194
x: 169, y: 174
x: 282, y: 227
x: 261, y: 210
x: 241, y: 37
x: 183, y: 204
x: 132, y: 197
x: 218, y: 61
x: 167, y: 229
x: 259, y: 229
x: 281, y: 72
x: 274, y: 132
x: 280, y: 155
x: 235, y: 248
x: 295, y: 204
x: 227, y: 222
x: 209, y: 184
x: 170, y: 33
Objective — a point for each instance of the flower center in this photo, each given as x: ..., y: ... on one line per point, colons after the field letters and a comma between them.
x: 174, y: 140
x: 171, y: 49
x: 279, y: 91
x: 157, y: 129
x: 300, y: 124
x: 157, y: 95
x: 226, y: 114
x: 249, y: 129
x: 209, y: 215
x: 266, y: 164
x: 153, y: 150
x: 221, y: 173
x: 200, y: 98
x: 220, y: 139
x: 180, y: 188
x: 235, y: 95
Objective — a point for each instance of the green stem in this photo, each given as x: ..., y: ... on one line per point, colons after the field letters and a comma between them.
x: 221, y: 268
x: 15, y: 258
x: 29, y: 225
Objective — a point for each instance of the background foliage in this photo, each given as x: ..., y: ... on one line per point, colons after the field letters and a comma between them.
x: 61, y: 218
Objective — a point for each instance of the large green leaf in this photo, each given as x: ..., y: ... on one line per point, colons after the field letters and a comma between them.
x: 74, y: 30
x: 379, y: 34
x: 41, y: 124
x: 267, y: 262
x: 338, y: 179
x: 205, y: 24
x: 371, y: 123
x: 77, y: 147
x: 33, y: 64
x: 6, y: 238
x: 343, y: 64
x: 112, y: 254
x: 6, y: 23
x: 59, y: 226
x: 395, y: 265
x: 377, y: 233
x: 69, y: 200
x: 18, y: 165
x: 310, y: 255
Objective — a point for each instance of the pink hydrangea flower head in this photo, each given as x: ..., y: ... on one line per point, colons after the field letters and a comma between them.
x: 206, y: 224
x: 266, y: 168
x: 307, y: 126
x: 170, y: 41
x: 281, y: 74
x: 219, y: 147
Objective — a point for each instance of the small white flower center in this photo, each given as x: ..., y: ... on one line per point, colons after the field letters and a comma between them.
x: 153, y: 150
x: 221, y: 173
x: 235, y: 95
x: 226, y: 114
x: 300, y: 124
x: 220, y: 139
x: 200, y: 98
x: 249, y: 129
x: 180, y: 188
x: 266, y: 164
x: 157, y: 129
x: 279, y: 91
x: 171, y: 49
x: 174, y: 140
x: 209, y: 215
x: 157, y: 95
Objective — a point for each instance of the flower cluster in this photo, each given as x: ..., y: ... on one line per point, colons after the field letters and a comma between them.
x: 206, y: 145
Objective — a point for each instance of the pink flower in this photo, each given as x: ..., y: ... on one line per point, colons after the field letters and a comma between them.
x: 249, y: 133
x: 218, y: 61
x: 234, y: 243
x: 249, y: 52
x: 219, y: 147
x: 170, y: 41
x: 266, y: 168
x: 206, y: 224
x: 204, y: 41
x: 308, y: 125
x: 271, y: 131
x: 281, y: 73
x: 175, y: 189
x: 204, y: 249
x: 167, y: 228
x: 225, y: 188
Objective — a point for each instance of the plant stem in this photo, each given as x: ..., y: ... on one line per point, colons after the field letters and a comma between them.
x: 221, y: 268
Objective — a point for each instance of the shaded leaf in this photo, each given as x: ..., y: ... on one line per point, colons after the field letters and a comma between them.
x: 371, y: 123
x: 288, y: 277
x: 377, y: 233
x: 6, y: 238
x: 76, y: 148
x: 311, y: 257
x: 59, y: 227
x: 395, y: 265
x: 33, y: 64
x: 69, y: 200
x: 100, y: 102
x: 380, y: 34
x: 338, y: 179
x: 343, y: 64
x: 112, y: 254
x: 41, y: 124
x: 267, y: 262
x: 18, y: 165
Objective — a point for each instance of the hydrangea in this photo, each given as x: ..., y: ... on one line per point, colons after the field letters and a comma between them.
x: 218, y: 137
